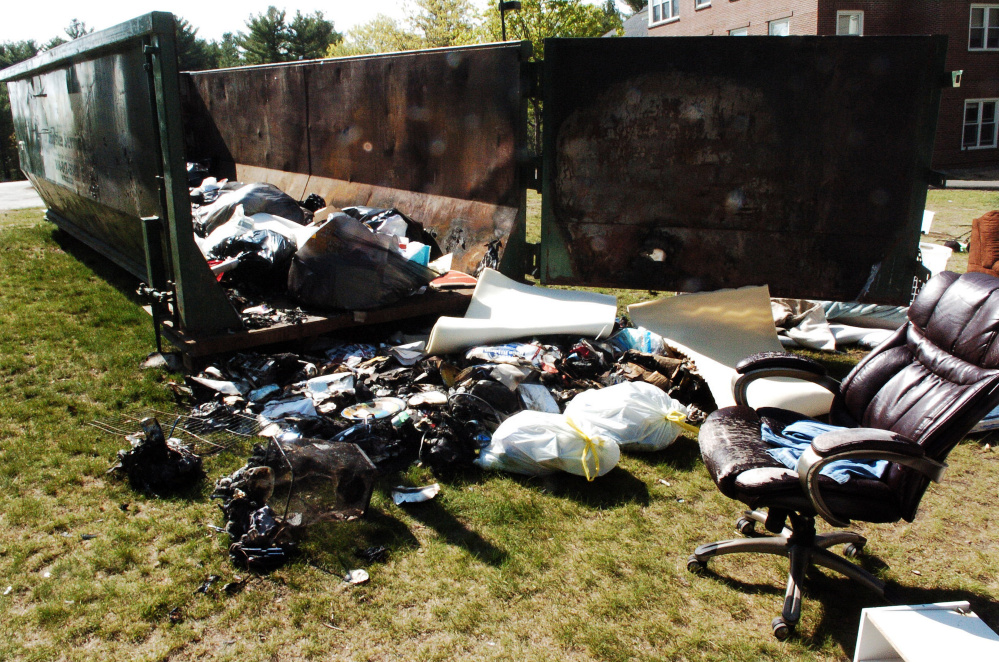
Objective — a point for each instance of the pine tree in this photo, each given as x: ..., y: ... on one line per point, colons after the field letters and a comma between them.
x: 267, y: 38
x: 10, y: 54
x: 310, y: 35
x: 193, y: 53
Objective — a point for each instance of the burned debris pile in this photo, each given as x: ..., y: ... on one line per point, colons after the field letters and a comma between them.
x: 287, y: 486
x: 265, y: 247
x: 158, y: 465
x: 531, y: 381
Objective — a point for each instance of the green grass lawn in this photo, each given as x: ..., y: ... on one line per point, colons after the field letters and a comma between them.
x: 497, y: 567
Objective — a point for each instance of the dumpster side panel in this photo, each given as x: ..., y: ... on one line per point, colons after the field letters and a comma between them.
x: 99, y: 135
x: 87, y: 142
x: 438, y: 134
x: 692, y: 164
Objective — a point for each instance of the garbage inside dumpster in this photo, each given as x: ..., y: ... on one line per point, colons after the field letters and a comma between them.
x: 254, y: 199
x: 346, y: 266
x: 263, y: 245
x: 156, y: 464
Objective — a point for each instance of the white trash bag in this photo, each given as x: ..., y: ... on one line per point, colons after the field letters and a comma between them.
x: 638, y: 416
x: 538, y: 443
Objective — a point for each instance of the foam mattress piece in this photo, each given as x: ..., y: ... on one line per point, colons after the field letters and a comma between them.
x: 719, y: 329
x: 503, y: 309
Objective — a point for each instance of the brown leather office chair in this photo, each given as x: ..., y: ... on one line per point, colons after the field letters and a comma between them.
x: 909, y: 401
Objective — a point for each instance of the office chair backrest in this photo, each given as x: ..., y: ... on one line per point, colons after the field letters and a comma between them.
x: 935, y: 378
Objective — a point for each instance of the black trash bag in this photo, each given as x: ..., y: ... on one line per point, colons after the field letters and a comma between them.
x: 255, y: 198
x: 346, y: 266
x: 264, y: 255
x: 196, y: 172
x: 313, y: 203
x: 375, y: 218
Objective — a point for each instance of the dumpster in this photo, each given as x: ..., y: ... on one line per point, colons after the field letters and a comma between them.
x: 678, y: 164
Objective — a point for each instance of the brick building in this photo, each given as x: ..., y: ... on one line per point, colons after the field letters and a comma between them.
x: 966, y: 143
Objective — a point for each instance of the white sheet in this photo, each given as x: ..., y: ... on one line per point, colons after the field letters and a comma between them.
x: 503, y: 309
x: 719, y: 329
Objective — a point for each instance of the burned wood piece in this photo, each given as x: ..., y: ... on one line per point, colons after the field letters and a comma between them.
x: 158, y: 465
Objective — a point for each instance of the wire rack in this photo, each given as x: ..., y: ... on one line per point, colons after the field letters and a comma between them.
x: 205, y: 434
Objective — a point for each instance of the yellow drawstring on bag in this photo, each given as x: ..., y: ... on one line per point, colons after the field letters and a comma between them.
x: 588, y: 447
x: 674, y: 416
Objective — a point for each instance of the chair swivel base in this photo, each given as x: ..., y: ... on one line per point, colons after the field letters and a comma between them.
x: 803, y: 547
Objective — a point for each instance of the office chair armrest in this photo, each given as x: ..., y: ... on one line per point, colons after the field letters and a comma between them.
x: 859, y: 444
x: 779, y: 364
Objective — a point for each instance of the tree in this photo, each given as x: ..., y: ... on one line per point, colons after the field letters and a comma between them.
x: 636, y: 5
x: 612, y: 19
x: 309, y: 36
x: 225, y: 52
x: 193, y: 53
x: 267, y: 39
x: 270, y: 38
x: 537, y: 20
x: 434, y: 24
x: 445, y: 22
x: 382, y: 34
x: 74, y: 30
x: 77, y: 29
x: 10, y: 54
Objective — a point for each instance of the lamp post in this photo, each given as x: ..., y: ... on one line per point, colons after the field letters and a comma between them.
x: 505, y: 6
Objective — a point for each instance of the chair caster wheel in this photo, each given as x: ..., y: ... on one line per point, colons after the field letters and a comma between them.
x: 853, y: 550
x: 695, y: 565
x: 745, y: 526
x: 781, y: 628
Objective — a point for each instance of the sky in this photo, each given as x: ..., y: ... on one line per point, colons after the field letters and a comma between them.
x: 25, y: 20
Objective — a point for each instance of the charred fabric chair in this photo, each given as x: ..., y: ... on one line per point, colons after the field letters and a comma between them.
x: 910, y: 401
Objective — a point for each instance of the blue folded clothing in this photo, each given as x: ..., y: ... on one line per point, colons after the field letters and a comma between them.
x: 798, y: 436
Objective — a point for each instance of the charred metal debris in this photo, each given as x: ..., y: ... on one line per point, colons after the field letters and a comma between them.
x: 339, y: 415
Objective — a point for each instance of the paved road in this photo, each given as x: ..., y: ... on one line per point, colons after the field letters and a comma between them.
x: 18, y: 195
x: 988, y: 186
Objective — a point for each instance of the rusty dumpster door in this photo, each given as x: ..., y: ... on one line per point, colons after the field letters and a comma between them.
x: 97, y: 121
x: 697, y: 163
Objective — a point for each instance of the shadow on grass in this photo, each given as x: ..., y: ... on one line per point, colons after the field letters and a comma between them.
x: 337, y: 547
x: 842, y: 600
x: 102, y: 267
x: 454, y: 532
x: 683, y: 455
x: 616, y: 488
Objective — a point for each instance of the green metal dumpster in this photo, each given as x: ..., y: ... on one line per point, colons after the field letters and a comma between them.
x: 676, y: 164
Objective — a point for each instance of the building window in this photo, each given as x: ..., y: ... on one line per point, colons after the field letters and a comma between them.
x: 701, y: 4
x: 664, y: 10
x: 780, y: 28
x: 739, y: 32
x: 979, y: 123
x: 850, y: 23
x: 984, y: 33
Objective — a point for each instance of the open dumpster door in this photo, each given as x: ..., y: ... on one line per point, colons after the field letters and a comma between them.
x: 690, y: 164
x: 97, y: 122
